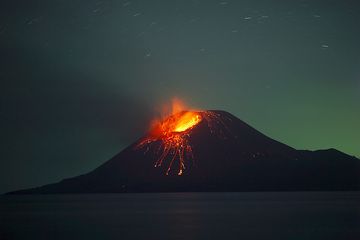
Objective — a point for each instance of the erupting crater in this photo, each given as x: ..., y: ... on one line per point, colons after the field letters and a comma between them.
x: 180, y: 122
x: 169, y: 138
x: 173, y: 134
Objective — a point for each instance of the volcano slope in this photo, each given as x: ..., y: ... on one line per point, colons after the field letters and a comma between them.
x: 212, y: 151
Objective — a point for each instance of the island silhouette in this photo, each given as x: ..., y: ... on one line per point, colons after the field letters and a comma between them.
x: 212, y: 150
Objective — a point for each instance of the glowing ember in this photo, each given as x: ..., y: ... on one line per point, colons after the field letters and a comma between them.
x: 180, y: 122
x: 174, y: 133
x: 187, y: 121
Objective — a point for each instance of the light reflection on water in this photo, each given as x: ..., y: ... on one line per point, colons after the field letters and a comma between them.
x: 269, y: 215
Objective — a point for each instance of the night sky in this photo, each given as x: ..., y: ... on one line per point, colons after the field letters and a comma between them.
x: 80, y: 80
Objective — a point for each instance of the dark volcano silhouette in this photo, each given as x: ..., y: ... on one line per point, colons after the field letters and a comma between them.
x: 228, y: 155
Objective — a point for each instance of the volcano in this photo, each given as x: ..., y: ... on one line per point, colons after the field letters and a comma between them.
x: 212, y: 151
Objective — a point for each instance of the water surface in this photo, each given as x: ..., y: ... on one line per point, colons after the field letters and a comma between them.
x: 265, y: 215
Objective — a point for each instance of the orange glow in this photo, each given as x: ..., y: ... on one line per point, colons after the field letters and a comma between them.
x: 179, y: 123
x: 177, y: 106
x: 186, y: 121
x: 173, y: 134
x: 169, y: 136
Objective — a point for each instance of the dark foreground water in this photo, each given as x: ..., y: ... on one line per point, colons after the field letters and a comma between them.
x: 270, y: 215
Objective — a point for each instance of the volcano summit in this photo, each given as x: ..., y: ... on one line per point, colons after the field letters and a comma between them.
x: 213, y: 151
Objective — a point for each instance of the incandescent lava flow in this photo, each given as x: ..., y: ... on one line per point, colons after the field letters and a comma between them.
x: 173, y: 133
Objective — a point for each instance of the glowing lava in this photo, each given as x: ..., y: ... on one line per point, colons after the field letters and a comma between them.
x: 180, y: 122
x: 173, y: 133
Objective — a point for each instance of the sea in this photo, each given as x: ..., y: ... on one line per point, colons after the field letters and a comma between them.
x: 185, y: 216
